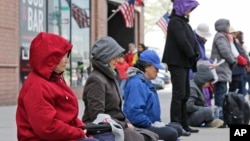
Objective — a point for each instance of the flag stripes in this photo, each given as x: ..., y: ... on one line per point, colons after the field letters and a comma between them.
x: 163, y: 23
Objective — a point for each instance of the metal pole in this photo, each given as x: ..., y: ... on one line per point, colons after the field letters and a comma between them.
x: 70, y: 40
x: 47, y: 16
x: 90, y: 30
x: 59, y: 18
x: 112, y: 15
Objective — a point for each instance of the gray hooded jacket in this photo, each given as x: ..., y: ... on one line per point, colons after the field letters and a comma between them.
x: 197, y: 99
x: 221, y: 49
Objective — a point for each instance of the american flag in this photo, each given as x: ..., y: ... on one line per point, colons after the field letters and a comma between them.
x: 163, y: 22
x: 80, y: 15
x: 127, y: 10
x: 139, y: 3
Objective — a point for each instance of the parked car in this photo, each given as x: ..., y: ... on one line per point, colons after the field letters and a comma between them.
x: 163, y: 78
x: 164, y: 75
x: 158, y: 83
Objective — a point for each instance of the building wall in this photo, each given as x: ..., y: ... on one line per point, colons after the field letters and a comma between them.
x: 9, y: 44
x: 98, y: 19
x: 9, y: 54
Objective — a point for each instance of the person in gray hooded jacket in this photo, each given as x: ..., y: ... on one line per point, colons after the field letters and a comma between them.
x: 221, y: 49
x: 101, y: 93
x: 198, y: 111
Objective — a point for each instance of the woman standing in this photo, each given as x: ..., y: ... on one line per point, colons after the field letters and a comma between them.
x: 181, y: 53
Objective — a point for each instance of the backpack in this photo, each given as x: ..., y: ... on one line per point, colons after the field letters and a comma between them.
x: 236, y: 110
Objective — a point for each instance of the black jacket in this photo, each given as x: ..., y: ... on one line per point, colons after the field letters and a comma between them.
x: 181, y: 48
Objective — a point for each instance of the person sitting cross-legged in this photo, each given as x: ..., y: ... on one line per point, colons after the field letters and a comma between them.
x: 198, y: 112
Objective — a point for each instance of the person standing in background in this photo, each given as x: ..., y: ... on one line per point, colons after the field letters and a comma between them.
x: 141, y: 47
x: 131, y: 55
x: 180, y: 54
x: 248, y: 77
x: 122, y: 67
x: 239, y: 71
x: 240, y: 41
x: 221, y: 49
x: 202, y: 32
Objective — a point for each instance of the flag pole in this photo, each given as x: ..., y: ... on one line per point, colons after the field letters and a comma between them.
x: 112, y: 15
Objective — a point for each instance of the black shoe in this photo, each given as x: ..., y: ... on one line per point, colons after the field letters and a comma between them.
x: 188, y: 129
x: 185, y: 133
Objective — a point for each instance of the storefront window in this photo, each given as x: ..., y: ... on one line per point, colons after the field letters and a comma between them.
x: 32, y: 21
x: 54, y: 17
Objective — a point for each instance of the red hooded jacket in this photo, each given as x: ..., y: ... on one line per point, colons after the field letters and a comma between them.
x: 47, y: 108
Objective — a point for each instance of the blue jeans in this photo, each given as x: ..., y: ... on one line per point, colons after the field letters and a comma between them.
x: 220, y: 88
x: 242, y: 85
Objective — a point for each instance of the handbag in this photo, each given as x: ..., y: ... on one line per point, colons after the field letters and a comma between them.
x: 99, y: 128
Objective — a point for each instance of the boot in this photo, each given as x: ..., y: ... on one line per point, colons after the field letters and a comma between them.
x: 215, y: 123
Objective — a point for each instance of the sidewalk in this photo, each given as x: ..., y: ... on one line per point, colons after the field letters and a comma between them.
x: 8, y: 124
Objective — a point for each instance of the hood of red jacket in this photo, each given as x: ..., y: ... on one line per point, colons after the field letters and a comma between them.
x: 46, y: 51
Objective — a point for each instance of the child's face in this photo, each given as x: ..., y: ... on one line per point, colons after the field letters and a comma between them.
x: 121, y: 59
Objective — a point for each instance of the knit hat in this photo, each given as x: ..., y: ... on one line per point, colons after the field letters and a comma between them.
x: 203, y: 30
x: 203, y: 75
x: 232, y: 30
x: 105, y: 49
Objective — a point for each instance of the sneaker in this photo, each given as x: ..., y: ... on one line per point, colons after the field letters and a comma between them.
x: 185, y: 133
x: 215, y: 123
x: 188, y: 129
x: 224, y: 125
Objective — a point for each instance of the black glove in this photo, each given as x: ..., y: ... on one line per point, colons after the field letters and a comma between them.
x: 194, y: 68
x: 197, y: 56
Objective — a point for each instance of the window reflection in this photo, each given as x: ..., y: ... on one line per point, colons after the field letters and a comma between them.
x: 59, y: 22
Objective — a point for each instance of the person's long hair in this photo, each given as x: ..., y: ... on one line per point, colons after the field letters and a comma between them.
x: 239, y: 36
x: 143, y: 47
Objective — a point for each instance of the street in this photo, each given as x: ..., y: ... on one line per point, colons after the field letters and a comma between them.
x: 8, y: 125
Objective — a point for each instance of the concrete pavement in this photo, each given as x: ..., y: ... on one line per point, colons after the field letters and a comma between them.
x: 8, y: 125
x: 205, y: 134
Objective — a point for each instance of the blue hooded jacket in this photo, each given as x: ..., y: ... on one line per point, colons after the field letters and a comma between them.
x: 181, y: 6
x: 141, y: 101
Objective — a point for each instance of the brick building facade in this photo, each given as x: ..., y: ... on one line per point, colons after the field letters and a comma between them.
x: 10, y: 82
x: 9, y: 54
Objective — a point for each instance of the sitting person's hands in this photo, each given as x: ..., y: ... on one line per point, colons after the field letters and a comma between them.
x: 159, y: 124
x: 130, y: 126
x: 212, y: 66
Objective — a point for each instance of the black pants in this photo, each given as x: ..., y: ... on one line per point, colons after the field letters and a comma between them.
x: 180, y: 94
x: 234, y: 85
x: 166, y: 133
